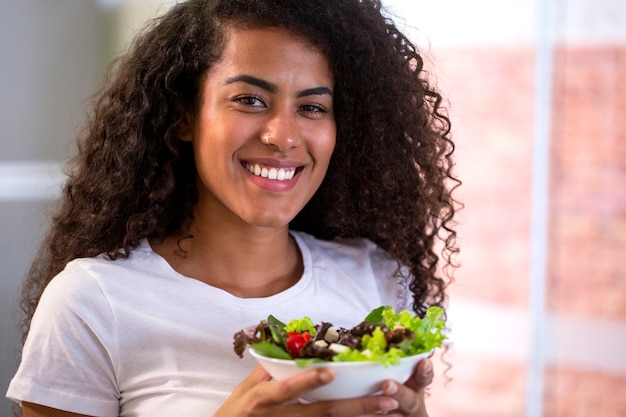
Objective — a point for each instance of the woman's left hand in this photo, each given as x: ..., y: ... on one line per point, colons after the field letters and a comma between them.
x: 410, y: 396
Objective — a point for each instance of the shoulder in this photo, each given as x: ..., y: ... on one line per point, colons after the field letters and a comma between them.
x: 355, y: 266
x: 72, y: 295
x: 83, y: 281
x: 101, y: 266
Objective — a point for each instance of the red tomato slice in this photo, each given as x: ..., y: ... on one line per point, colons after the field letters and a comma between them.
x: 296, y: 341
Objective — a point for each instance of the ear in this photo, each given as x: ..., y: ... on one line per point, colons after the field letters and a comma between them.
x: 185, y: 131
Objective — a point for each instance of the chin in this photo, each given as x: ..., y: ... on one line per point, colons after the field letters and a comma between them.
x: 274, y: 224
x: 269, y: 212
x: 271, y: 220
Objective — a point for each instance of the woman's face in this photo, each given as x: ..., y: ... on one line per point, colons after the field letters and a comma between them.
x: 269, y: 83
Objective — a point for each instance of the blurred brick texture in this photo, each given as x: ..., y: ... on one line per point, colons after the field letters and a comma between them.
x: 580, y: 393
x: 588, y: 184
x: 491, y: 105
x: 491, y: 96
x: 476, y: 386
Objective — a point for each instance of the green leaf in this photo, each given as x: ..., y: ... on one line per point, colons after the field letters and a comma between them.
x: 277, y: 329
x: 301, y: 325
x: 274, y: 320
x: 428, y: 331
x: 376, y: 342
x: 376, y: 315
x: 270, y: 350
x: 392, y: 357
x: 304, y: 362
x: 351, y: 355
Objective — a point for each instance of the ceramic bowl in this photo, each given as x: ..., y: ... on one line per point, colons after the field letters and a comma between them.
x: 352, y: 379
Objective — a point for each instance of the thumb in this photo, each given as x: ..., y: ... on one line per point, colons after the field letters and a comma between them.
x: 422, y: 375
x: 234, y: 403
x: 256, y: 377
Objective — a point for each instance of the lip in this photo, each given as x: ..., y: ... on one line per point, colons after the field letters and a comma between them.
x: 274, y: 162
x: 269, y: 184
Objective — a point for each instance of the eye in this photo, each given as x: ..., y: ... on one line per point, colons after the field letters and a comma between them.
x: 313, y: 110
x: 250, y: 100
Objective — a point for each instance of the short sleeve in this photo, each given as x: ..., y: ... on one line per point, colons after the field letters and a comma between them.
x: 68, y: 361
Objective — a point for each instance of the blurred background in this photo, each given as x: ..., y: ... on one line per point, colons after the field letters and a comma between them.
x: 536, y: 91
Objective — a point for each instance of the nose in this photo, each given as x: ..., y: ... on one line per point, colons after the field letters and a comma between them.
x: 282, y: 130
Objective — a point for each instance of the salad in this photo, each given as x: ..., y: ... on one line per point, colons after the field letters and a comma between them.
x: 383, y: 336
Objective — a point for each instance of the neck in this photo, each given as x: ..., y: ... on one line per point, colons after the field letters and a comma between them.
x: 246, y: 262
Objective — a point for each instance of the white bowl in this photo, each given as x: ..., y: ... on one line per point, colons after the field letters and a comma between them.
x: 352, y: 379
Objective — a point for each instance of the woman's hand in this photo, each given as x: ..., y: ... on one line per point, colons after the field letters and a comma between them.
x: 410, y: 396
x: 258, y: 395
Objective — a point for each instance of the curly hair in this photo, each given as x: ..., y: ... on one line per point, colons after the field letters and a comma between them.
x: 390, y: 178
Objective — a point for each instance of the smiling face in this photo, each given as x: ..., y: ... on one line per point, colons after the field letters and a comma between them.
x: 270, y: 86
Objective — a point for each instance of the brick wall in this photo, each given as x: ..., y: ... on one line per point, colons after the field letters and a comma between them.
x: 581, y: 393
x: 490, y: 90
x: 491, y: 104
x: 477, y: 385
x: 588, y: 183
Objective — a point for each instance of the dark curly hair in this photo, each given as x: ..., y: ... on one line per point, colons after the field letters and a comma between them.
x: 390, y: 178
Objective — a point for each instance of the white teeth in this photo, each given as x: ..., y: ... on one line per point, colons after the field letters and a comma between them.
x: 279, y: 174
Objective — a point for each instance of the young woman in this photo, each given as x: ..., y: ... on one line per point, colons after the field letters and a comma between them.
x: 246, y: 158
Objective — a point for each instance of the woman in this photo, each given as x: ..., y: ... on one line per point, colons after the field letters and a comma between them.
x: 247, y: 157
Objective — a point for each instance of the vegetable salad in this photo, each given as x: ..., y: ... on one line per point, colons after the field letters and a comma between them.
x: 383, y: 336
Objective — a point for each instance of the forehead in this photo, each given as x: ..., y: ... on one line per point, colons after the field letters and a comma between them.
x: 272, y: 52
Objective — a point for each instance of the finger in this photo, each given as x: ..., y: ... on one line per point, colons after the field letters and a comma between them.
x: 409, y: 400
x: 297, y: 385
x: 256, y: 377
x: 422, y: 376
x: 361, y: 407
x: 246, y: 389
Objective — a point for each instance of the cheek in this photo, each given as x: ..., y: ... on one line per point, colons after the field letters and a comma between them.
x: 328, y: 146
x: 215, y: 144
x: 326, y: 138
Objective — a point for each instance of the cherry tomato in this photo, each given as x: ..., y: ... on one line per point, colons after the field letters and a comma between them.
x: 296, y: 341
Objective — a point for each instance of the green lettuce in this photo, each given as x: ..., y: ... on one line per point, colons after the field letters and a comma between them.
x: 428, y: 331
x: 390, y: 357
x: 304, y: 324
x: 428, y: 334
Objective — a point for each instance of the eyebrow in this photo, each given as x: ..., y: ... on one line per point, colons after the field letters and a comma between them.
x: 273, y: 88
x: 318, y: 91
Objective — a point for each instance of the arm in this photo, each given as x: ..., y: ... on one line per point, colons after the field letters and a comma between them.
x: 36, y: 410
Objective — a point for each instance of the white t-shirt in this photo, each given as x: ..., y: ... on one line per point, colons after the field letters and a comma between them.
x: 132, y: 337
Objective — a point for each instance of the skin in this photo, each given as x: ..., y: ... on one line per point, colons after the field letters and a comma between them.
x: 268, y: 82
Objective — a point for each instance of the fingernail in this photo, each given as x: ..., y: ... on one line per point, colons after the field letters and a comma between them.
x: 388, y: 404
x: 428, y: 366
x: 391, y: 388
x: 325, y: 376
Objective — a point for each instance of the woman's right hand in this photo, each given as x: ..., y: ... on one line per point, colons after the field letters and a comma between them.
x: 258, y: 395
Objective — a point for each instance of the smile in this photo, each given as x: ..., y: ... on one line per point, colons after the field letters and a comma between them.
x: 279, y: 174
